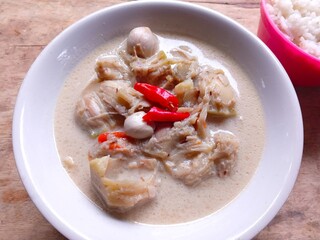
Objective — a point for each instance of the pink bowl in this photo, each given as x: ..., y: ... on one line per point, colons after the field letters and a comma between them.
x: 302, y: 68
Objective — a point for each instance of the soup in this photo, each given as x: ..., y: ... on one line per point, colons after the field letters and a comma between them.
x: 167, y: 163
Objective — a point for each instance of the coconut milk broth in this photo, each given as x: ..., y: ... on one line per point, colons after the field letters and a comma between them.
x: 175, y: 202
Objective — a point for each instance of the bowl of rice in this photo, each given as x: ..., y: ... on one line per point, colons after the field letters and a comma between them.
x: 291, y: 29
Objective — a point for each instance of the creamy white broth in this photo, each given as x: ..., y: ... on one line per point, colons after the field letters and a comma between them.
x: 175, y: 202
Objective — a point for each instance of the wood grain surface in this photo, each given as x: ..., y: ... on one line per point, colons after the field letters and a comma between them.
x: 26, y: 27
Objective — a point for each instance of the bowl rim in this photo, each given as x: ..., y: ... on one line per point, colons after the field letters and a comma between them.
x: 265, y: 12
x: 61, y: 225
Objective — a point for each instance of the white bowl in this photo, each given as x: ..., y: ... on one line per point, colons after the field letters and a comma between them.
x: 70, y: 211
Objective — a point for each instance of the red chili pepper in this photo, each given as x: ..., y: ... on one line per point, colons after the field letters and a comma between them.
x: 159, y: 115
x: 114, y: 146
x: 104, y: 136
x: 158, y: 95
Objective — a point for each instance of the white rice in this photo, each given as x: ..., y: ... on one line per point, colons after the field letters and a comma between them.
x: 299, y: 20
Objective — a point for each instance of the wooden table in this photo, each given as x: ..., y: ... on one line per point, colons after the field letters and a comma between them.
x: 26, y: 27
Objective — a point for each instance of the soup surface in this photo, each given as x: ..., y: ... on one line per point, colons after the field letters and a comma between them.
x: 175, y: 201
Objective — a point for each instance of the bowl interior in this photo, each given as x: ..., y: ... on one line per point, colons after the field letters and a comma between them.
x: 59, y: 199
